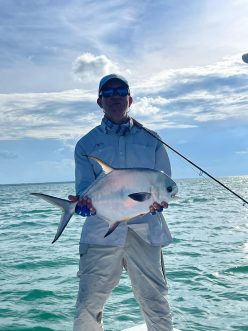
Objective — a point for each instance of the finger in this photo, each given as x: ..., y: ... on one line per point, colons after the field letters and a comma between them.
x: 89, y: 203
x: 82, y: 201
x: 72, y: 198
x: 156, y: 205
x: 152, y: 210
x: 92, y: 211
x: 164, y: 204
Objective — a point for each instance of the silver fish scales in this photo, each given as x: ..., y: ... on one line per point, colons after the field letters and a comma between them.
x: 126, y: 193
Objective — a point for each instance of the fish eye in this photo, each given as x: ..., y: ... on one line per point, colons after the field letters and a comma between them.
x: 169, y: 189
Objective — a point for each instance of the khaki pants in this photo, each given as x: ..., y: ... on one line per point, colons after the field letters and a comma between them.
x: 100, y: 270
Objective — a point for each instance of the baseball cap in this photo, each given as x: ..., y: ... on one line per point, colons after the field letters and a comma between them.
x: 107, y: 78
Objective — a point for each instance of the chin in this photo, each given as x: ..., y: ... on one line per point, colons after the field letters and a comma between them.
x: 117, y: 117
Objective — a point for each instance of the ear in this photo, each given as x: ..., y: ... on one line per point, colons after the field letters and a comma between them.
x: 99, y: 102
x: 130, y: 100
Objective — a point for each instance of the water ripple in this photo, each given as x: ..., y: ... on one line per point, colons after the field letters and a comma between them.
x: 206, y: 265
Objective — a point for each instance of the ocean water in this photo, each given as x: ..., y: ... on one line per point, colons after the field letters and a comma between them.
x: 206, y: 264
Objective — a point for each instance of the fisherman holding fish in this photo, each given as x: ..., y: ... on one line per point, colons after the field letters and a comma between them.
x: 134, y: 244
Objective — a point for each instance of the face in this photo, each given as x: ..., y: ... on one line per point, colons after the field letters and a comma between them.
x: 115, y: 107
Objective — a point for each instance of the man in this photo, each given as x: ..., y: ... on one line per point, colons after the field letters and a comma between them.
x: 135, y: 245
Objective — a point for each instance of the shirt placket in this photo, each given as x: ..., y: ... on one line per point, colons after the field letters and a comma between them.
x: 122, y: 151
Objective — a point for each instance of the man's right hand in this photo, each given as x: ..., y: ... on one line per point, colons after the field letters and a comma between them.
x: 84, y: 206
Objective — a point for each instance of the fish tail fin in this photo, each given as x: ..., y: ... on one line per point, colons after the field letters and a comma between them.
x: 61, y: 203
x: 68, y: 209
x: 112, y: 228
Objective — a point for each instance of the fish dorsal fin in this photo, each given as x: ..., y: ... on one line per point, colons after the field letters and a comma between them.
x: 140, y: 196
x: 105, y: 167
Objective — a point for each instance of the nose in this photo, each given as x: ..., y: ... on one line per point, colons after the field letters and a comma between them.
x: 115, y: 94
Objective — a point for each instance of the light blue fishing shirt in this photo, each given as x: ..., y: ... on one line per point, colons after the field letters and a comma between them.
x: 131, y: 148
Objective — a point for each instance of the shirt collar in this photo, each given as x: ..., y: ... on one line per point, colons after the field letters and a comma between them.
x: 119, y: 129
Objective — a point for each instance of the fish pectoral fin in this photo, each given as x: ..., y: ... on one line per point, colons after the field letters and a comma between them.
x: 140, y: 196
x: 112, y: 228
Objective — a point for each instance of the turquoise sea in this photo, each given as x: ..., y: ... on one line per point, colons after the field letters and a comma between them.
x: 206, y: 265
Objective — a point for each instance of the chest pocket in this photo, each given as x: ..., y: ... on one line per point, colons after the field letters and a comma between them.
x: 138, y: 155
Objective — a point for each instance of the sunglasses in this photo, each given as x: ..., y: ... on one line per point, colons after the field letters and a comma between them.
x: 121, y: 91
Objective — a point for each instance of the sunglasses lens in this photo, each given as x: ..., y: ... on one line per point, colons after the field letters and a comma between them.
x: 108, y: 93
x: 121, y: 91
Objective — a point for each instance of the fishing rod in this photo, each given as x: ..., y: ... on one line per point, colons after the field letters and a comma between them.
x: 139, y: 125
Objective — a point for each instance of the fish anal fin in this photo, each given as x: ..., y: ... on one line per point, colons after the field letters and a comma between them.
x: 112, y: 228
x: 140, y: 196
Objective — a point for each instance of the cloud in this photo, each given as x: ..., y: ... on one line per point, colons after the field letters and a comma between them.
x: 8, y: 155
x: 47, y: 115
x: 152, y: 111
x: 189, y: 33
x: 88, y: 66
x: 57, y: 166
x: 40, y: 42
x: 147, y: 106
x: 244, y: 152
x: 200, y: 94
x: 180, y: 98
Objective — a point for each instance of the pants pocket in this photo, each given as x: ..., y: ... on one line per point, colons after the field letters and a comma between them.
x: 83, y: 249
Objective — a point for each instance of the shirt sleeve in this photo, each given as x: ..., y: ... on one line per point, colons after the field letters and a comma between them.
x: 84, y: 172
x: 162, y: 161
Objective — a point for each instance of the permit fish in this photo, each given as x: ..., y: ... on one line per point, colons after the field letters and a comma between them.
x: 118, y: 195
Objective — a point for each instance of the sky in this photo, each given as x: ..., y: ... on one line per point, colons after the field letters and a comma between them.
x: 182, y: 60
